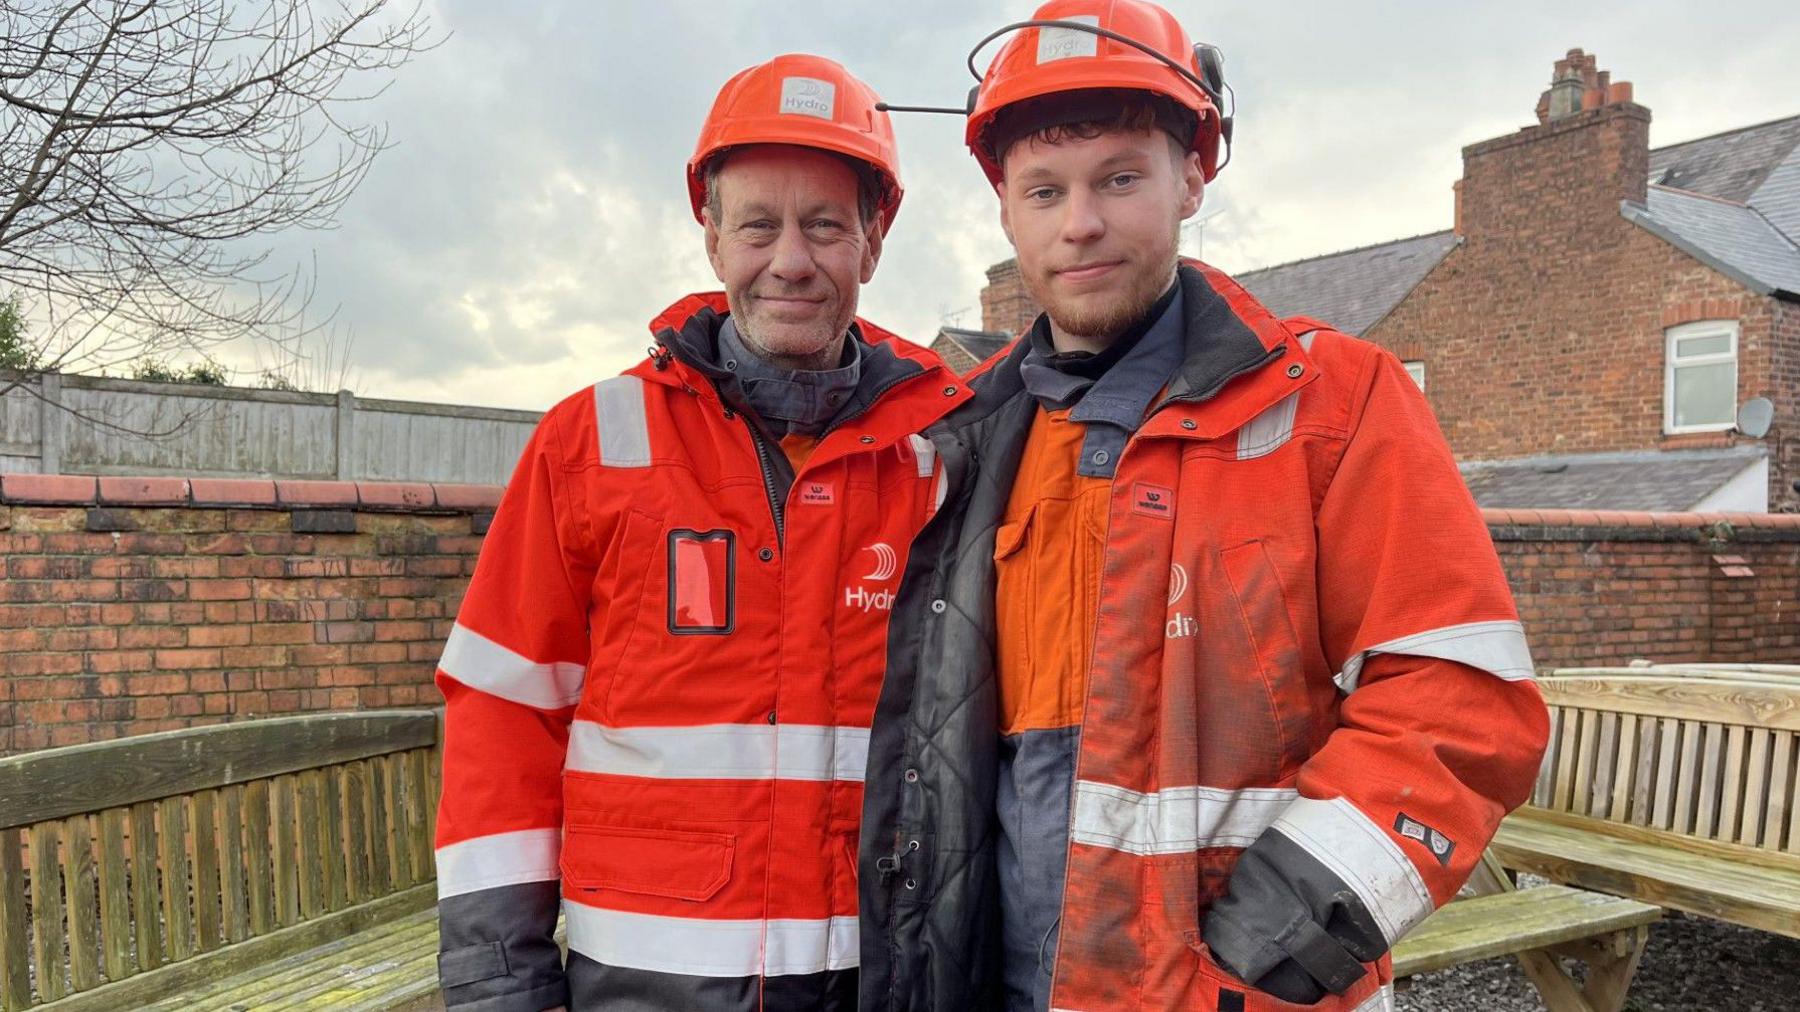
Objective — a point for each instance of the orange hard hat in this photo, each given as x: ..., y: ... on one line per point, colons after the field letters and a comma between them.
x: 805, y: 100
x: 1101, y: 44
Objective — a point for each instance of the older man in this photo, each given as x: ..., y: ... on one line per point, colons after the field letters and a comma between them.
x: 661, y: 681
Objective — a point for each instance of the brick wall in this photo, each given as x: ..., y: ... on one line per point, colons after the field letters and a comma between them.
x: 1603, y: 588
x: 138, y: 605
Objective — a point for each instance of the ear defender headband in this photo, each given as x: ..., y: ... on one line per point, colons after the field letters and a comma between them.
x: 1208, y: 58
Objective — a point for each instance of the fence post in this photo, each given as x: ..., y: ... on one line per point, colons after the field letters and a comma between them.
x: 346, y: 433
x: 50, y: 423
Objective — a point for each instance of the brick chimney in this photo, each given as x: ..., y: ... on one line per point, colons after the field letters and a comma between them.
x: 1589, y: 150
x: 1005, y: 306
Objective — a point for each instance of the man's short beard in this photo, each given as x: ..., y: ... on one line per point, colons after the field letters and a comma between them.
x: 1111, y: 318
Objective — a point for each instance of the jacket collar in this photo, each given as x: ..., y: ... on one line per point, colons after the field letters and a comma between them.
x: 686, y: 354
x: 1229, y: 343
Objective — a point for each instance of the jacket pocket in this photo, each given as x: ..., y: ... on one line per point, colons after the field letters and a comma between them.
x: 674, y: 864
x: 1263, y: 607
x: 1220, y: 985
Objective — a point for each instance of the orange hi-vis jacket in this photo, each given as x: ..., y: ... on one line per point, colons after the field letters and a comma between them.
x: 1305, y: 653
x: 660, y: 686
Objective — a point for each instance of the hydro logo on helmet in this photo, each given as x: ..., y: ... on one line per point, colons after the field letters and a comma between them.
x: 1086, y: 45
x: 805, y: 100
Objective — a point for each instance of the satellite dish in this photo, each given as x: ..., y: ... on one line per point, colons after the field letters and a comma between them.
x: 1755, y: 417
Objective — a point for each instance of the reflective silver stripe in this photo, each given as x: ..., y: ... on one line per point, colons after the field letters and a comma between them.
x: 480, y: 663
x: 1381, y: 1001
x: 1177, y: 820
x: 624, y: 427
x: 925, y: 452
x: 709, y: 947
x: 1363, y: 857
x: 1498, y: 648
x: 501, y: 859
x: 720, y: 751
x: 1270, y: 430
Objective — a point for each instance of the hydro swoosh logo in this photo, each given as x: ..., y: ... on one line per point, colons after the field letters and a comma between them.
x: 887, y: 561
x: 1178, y: 582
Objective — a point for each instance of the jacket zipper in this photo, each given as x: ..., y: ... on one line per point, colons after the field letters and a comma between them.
x: 768, y: 476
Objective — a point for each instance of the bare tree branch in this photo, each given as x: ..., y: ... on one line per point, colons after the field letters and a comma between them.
x: 151, y: 149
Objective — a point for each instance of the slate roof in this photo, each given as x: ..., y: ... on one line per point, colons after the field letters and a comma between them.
x: 963, y: 350
x: 1755, y: 168
x: 1730, y: 165
x: 1351, y: 290
x: 1734, y: 239
x: 1659, y: 480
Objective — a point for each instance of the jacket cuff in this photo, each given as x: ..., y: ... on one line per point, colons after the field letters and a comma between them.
x: 497, y: 949
x: 1296, y: 913
x: 1350, y: 872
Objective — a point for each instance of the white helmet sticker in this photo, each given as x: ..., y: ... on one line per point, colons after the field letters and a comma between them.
x: 1063, y: 43
x: 808, y: 96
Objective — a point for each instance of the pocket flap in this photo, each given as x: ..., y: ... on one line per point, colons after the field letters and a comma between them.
x: 674, y: 863
x: 1010, y: 537
x: 470, y: 963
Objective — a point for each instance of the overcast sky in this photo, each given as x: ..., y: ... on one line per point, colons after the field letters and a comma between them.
x: 533, y: 216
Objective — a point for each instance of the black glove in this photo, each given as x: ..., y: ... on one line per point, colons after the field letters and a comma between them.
x: 1289, y: 926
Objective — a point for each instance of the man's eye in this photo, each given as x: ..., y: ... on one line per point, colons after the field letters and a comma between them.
x: 1124, y: 179
x: 758, y: 226
x: 1041, y: 193
x: 827, y: 223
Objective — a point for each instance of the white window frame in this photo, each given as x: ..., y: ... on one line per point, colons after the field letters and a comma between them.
x: 1415, y: 367
x: 1688, y: 331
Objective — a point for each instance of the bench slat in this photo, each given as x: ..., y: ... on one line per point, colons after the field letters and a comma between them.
x: 81, y: 895
x: 331, y: 838
x: 1744, y: 886
x: 1784, y: 795
x: 1483, y: 927
x: 418, y: 834
x: 1683, y: 821
x: 1627, y: 771
x: 381, y: 870
x: 1770, y: 704
x: 285, y: 793
x: 15, y: 945
x: 146, y: 916
x: 47, y: 910
x: 1663, y: 815
x: 1712, y: 759
x: 233, y: 901
x: 178, y: 979
x: 115, y: 896
x: 258, y: 873
x: 297, y: 980
x: 172, y: 861
x: 58, y: 782
x: 209, y: 925
x: 312, y: 858
x: 402, y: 837
x: 1643, y: 786
x: 356, y: 830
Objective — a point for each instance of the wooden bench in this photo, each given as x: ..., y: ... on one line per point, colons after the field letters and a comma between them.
x: 1675, y: 789
x: 153, y: 869
x: 1536, y: 925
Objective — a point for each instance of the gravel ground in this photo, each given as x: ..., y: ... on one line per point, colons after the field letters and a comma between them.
x: 1690, y: 963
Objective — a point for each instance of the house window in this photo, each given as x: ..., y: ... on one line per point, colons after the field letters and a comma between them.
x: 1700, y: 377
x: 1416, y: 369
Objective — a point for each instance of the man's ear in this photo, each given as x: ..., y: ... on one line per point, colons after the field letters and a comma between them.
x: 872, y: 238
x: 712, y: 242
x: 1193, y: 184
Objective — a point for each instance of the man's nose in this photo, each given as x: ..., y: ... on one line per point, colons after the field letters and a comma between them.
x: 1082, y: 222
x: 792, y: 259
